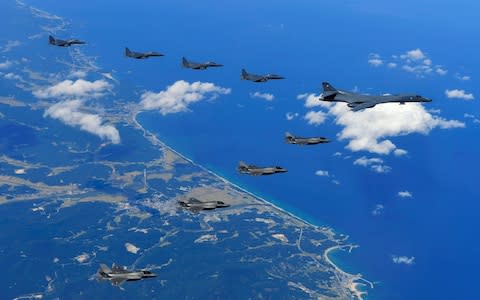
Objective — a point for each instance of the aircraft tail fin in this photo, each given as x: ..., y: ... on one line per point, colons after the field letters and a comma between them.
x: 105, y: 269
x: 327, y: 87
x: 127, y: 51
x: 51, y: 40
x: 184, y: 62
x: 244, y: 74
x: 288, y: 135
x: 242, y: 164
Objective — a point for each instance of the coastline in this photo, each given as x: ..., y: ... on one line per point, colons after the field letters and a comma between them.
x: 350, y: 281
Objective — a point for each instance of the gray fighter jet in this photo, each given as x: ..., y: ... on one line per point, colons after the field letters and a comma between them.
x: 259, y: 78
x: 358, y: 102
x: 199, y: 66
x: 141, y: 55
x: 195, y: 205
x: 118, y: 275
x: 291, y: 139
x: 257, y: 171
x: 64, y: 43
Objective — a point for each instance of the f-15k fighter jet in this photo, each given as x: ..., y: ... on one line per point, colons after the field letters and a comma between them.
x: 259, y: 78
x: 199, y: 66
x: 64, y: 43
x: 141, y: 55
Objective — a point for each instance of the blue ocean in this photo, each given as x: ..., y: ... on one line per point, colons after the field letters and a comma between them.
x: 309, y: 43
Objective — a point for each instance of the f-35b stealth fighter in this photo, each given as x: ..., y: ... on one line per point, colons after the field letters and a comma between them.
x: 291, y: 139
x: 141, y: 55
x: 358, y: 102
x: 195, y: 205
x: 258, y: 171
x: 118, y: 275
x: 199, y: 66
x: 258, y: 78
x: 63, y: 43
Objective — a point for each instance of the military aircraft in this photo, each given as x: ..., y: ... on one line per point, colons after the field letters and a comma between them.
x: 259, y: 78
x: 291, y: 139
x: 118, y: 275
x: 63, y: 43
x: 257, y: 171
x: 141, y: 55
x: 358, y: 102
x: 196, y: 205
x: 199, y: 66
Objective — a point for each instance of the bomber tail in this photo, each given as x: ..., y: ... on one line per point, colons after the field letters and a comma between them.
x: 185, y: 62
x: 329, y: 92
x: 242, y: 164
x: 244, y: 74
x: 51, y: 40
x: 327, y: 87
x: 127, y: 51
x: 288, y: 135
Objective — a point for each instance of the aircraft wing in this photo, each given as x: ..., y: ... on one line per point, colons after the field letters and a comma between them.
x: 118, y: 281
x: 362, y: 106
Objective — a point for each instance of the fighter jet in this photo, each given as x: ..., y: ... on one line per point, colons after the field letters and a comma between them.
x: 257, y: 171
x: 199, y: 66
x: 258, y: 78
x: 358, y: 102
x: 195, y: 205
x: 118, y: 275
x: 141, y: 55
x: 63, y: 43
x: 291, y: 139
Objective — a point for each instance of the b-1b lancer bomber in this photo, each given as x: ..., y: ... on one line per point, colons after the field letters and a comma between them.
x: 358, y: 102
x: 141, y: 55
x: 199, y: 66
x: 64, y: 43
x: 258, y: 78
x: 291, y: 139
x: 195, y: 205
x: 118, y: 275
x: 258, y: 171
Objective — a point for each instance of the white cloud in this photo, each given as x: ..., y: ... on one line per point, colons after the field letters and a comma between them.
x: 462, y: 77
x: 459, y: 94
x: 441, y: 71
x: 391, y: 65
x: 131, y: 248
x: 177, y: 97
x: 75, y: 89
x: 12, y: 76
x: 313, y: 100
x: 378, y: 210
x: 415, y: 54
x: 376, y: 62
x: 405, y: 194
x: 10, y: 45
x: 400, y: 152
x: 364, y: 161
x: 70, y: 112
x: 322, y: 173
x: 5, y: 65
x: 315, y: 117
x: 337, y: 154
x: 381, y: 169
x: 376, y: 164
x: 470, y: 116
x: 368, y: 130
x: 265, y: 96
x: 290, y: 116
x: 403, y: 260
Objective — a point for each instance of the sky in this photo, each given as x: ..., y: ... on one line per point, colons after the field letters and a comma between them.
x: 400, y: 180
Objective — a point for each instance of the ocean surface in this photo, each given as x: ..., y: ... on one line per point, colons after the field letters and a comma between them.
x: 310, y: 43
